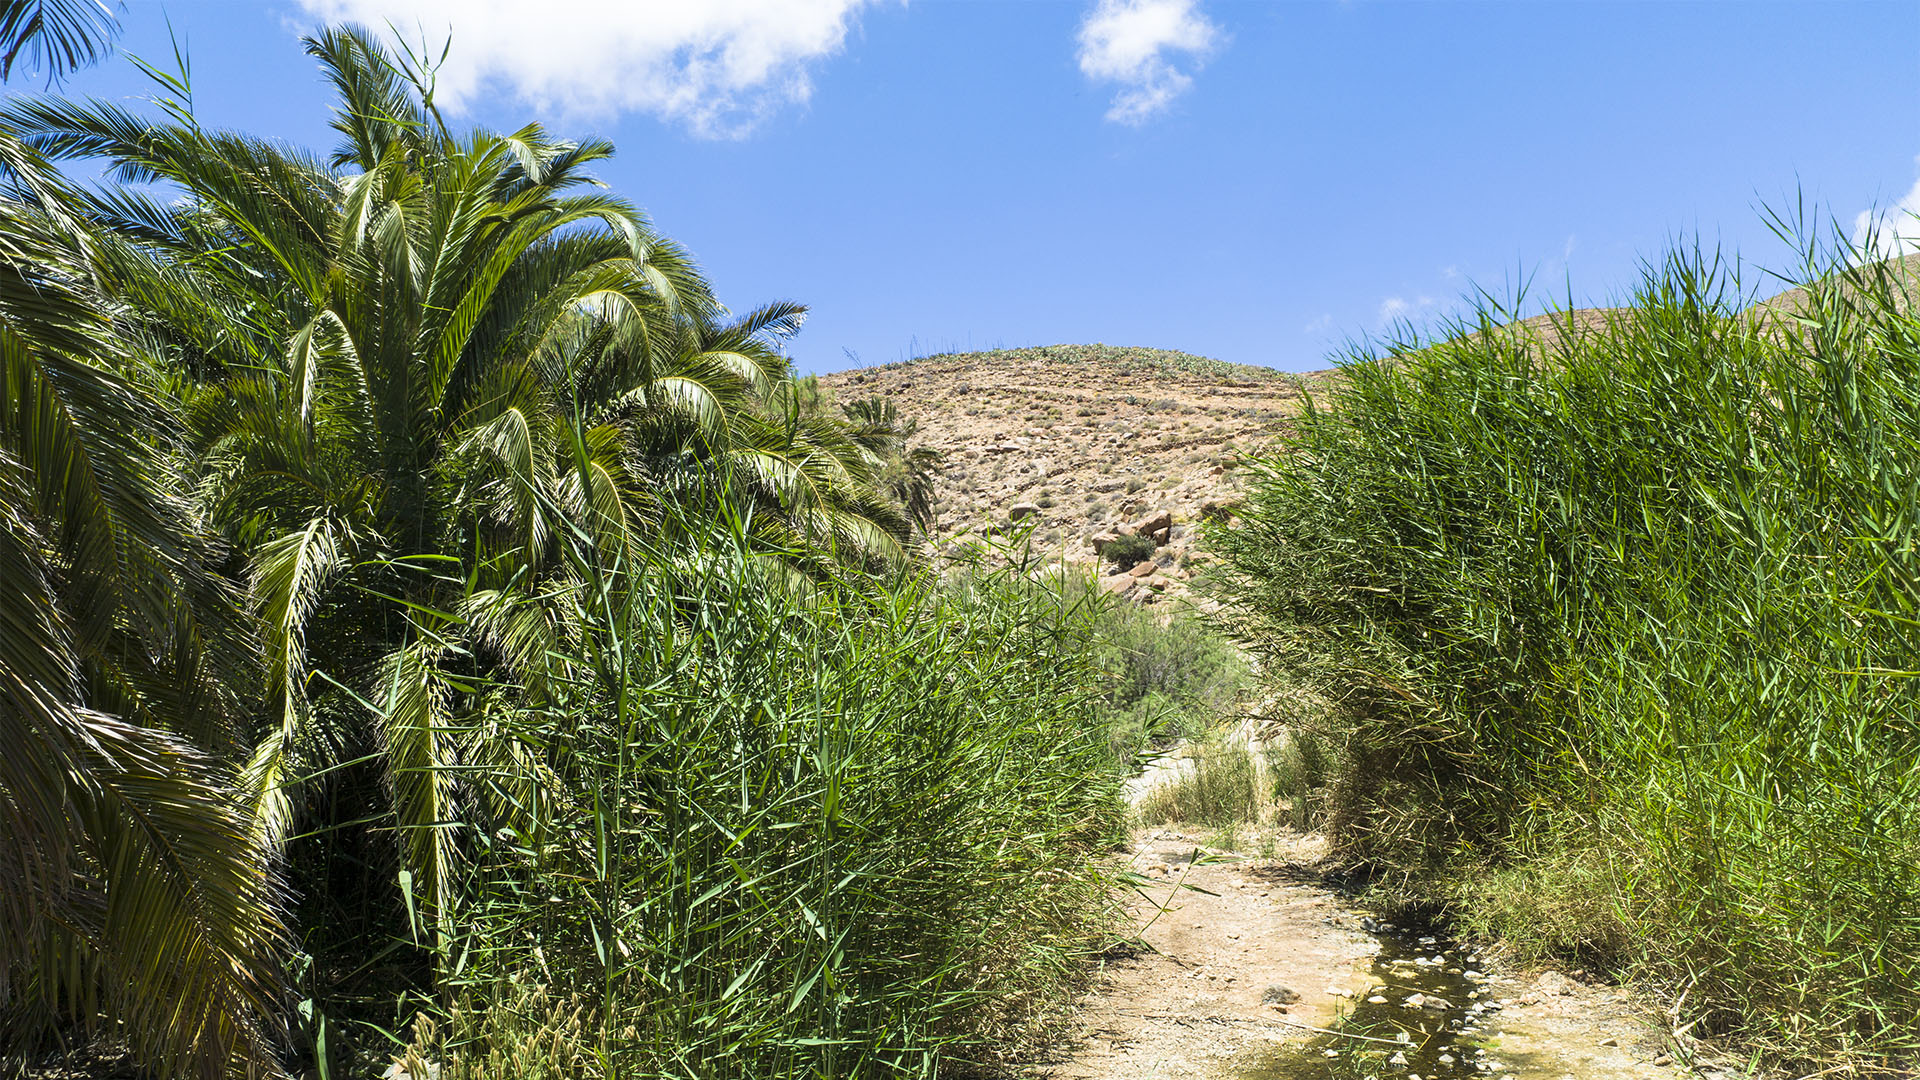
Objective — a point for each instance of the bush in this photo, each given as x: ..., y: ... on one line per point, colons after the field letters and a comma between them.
x: 1623, y: 611
x: 1128, y: 551
x: 1165, y: 680
x: 1220, y: 789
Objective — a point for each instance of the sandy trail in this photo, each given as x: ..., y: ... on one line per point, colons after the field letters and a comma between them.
x: 1232, y: 929
x: 1244, y: 956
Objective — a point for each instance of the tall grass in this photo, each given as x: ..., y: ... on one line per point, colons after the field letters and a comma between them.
x: 1621, y: 622
x: 1218, y: 785
x: 791, y: 828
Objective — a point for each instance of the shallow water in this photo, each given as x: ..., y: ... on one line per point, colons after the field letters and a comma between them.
x: 1387, y: 1036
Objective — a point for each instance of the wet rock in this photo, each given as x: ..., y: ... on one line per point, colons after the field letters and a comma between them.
x: 1276, y: 994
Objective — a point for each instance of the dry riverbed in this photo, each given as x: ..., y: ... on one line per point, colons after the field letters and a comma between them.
x: 1249, y: 965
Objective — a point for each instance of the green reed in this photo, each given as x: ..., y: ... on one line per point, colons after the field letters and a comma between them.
x: 1621, y: 623
x: 793, y: 827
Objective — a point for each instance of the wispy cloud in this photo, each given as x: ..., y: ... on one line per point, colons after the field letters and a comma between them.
x: 1135, y: 42
x: 1395, y: 308
x: 1892, y: 232
x: 1318, y: 326
x: 718, y: 66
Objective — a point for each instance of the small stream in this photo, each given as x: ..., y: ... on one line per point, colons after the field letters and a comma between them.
x: 1428, y: 1016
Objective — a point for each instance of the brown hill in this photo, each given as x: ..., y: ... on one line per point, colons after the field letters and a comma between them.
x: 1077, y: 440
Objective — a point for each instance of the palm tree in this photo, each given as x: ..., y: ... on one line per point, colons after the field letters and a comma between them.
x: 400, y: 368
x: 56, y: 36
x: 133, y: 894
x: 907, y: 471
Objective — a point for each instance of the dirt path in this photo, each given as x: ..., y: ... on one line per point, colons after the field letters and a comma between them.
x: 1245, y: 956
x: 1225, y: 935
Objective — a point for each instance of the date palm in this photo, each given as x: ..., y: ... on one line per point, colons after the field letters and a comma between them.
x: 133, y: 895
x: 399, y: 367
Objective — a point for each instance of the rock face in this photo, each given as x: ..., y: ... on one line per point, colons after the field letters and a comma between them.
x: 1087, y: 444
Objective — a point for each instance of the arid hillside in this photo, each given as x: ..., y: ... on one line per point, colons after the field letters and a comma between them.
x: 1078, y: 441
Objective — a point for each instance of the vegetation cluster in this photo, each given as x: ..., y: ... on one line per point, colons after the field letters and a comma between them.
x: 434, y: 628
x: 1619, y: 627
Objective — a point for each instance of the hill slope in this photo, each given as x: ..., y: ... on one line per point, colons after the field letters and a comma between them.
x: 1080, y: 439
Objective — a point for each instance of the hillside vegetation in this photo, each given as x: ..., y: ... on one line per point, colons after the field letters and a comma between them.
x: 1621, y: 626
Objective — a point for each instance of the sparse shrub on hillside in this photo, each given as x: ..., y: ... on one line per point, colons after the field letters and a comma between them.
x: 1130, y: 550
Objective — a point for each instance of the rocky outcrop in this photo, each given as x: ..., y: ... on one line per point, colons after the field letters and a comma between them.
x: 1077, y: 447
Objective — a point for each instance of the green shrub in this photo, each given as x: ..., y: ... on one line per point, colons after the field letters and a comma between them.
x: 1127, y: 551
x: 1166, y: 680
x: 1625, y: 611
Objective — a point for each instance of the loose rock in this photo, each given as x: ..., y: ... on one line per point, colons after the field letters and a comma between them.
x: 1275, y: 994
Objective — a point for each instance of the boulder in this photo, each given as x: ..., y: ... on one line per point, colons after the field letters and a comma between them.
x: 1021, y: 510
x: 1157, y: 525
x: 1101, y: 539
x: 1118, y: 584
x: 1143, y: 568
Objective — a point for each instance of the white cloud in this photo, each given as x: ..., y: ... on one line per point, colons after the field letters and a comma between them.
x: 718, y: 66
x: 1891, y: 232
x: 1319, y: 325
x: 1131, y: 42
x: 1394, y: 308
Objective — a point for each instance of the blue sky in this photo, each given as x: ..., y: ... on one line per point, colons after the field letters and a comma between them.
x: 1251, y: 181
